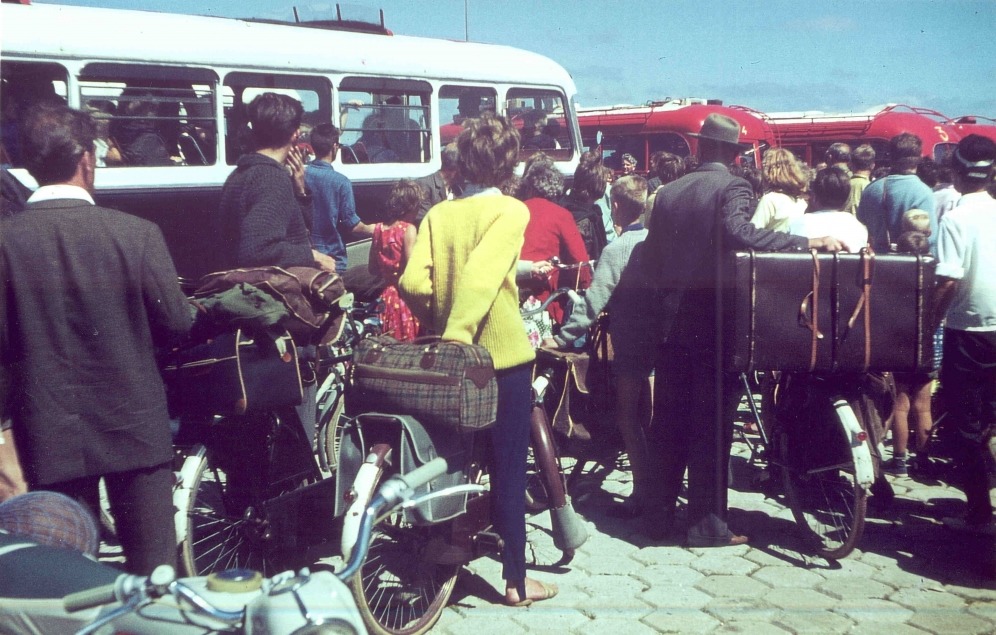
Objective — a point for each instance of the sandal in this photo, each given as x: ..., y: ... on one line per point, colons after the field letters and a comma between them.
x: 543, y: 592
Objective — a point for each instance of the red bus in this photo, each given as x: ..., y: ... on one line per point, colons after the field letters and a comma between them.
x: 666, y: 125
x: 809, y: 135
x: 974, y: 124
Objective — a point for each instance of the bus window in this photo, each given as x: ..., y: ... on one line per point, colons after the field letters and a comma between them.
x: 539, y: 115
x: 668, y: 142
x: 384, y: 120
x: 151, y: 115
x: 457, y: 103
x: 314, y: 93
x: 615, y: 146
x: 24, y: 85
x: 943, y: 152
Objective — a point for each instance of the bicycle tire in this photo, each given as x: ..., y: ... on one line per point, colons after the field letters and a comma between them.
x: 826, y: 500
x: 537, y: 497
x: 396, y: 590
x: 108, y: 526
x: 330, y: 411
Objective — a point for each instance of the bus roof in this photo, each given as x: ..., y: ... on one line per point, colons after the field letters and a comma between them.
x: 879, y: 123
x: 974, y: 124
x: 676, y: 116
x: 143, y: 36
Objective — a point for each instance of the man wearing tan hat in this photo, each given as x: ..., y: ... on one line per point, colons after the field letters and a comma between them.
x: 695, y: 220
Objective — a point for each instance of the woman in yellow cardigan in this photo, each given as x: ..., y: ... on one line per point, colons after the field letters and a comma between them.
x: 460, y: 283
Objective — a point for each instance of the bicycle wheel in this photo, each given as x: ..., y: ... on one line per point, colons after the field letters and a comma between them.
x: 227, y: 523
x: 331, y: 406
x: 819, y: 478
x: 397, y: 590
x: 221, y: 533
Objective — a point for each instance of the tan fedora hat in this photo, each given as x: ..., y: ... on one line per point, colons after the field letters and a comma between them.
x: 720, y: 128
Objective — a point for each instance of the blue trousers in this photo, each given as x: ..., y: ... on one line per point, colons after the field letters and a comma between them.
x: 510, y: 445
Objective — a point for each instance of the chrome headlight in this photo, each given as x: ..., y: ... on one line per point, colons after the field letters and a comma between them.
x: 330, y: 627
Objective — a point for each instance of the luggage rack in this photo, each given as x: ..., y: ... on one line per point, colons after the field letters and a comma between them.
x: 357, y: 24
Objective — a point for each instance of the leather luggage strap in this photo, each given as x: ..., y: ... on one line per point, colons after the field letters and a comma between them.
x: 809, y: 311
x: 864, y: 303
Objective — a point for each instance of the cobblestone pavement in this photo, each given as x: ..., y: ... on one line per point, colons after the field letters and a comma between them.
x: 910, y: 573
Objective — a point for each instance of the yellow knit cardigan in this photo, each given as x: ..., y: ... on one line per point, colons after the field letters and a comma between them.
x: 460, y: 279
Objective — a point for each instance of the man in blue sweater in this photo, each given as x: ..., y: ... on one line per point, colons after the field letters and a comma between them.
x: 884, y: 201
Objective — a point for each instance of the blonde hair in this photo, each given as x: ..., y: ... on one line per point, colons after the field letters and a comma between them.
x: 489, y: 150
x: 916, y: 220
x: 783, y: 172
x: 629, y: 193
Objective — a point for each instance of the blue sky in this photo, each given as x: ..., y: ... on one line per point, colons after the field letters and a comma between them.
x: 774, y: 55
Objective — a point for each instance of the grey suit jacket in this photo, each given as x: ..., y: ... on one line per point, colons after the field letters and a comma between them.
x: 88, y: 294
x: 695, y: 221
x: 435, y: 190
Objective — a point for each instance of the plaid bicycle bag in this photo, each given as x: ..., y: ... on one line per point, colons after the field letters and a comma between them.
x: 445, y: 384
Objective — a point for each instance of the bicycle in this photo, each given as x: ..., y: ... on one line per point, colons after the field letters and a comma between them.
x: 826, y: 444
x: 406, y: 582
x: 260, y: 504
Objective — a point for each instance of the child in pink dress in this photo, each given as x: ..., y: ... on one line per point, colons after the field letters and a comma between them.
x: 389, y: 251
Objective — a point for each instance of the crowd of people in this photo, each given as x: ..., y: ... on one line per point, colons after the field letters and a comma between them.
x: 90, y: 295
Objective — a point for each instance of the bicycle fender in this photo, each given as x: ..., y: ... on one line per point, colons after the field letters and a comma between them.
x: 361, y: 494
x: 864, y: 468
x: 182, y: 490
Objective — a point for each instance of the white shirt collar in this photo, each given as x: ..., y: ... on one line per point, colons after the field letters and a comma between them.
x: 60, y: 191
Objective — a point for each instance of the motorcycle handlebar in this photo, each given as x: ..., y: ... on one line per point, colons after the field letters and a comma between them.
x: 89, y: 598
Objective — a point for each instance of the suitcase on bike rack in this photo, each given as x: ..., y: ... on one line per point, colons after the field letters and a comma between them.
x: 418, y: 445
x: 829, y: 312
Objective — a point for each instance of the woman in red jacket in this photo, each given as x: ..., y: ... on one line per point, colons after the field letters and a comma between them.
x: 551, y: 231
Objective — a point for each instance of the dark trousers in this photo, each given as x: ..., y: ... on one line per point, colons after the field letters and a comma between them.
x: 692, y: 427
x: 968, y: 376
x: 510, y: 445
x: 142, y: 505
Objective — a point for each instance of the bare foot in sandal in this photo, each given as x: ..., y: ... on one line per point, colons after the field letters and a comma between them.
x: 536, y: 591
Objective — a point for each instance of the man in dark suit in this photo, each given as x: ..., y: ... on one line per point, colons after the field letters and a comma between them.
x: 695, y: 221
x: 88, y: 295
x: 442, y: 185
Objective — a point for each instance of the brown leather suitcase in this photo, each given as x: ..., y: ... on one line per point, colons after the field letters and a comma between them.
x: 829, y: 312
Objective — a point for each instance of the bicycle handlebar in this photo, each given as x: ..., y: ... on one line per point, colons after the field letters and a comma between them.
x: 572, y: 294
x: 560, y: 266
x: 401, y: 487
